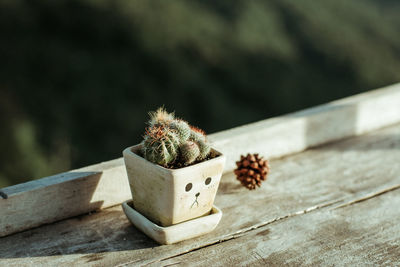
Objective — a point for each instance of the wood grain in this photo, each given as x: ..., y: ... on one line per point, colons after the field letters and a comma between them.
x: 365, y: 233
x: 62, y: 196
x: 342, y: 174
x: 292, y: 133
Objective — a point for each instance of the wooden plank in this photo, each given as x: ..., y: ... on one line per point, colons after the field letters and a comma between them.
x: 298, y: 131
x: 104, y: 185
x: 366, y: 233
x: 352, y: 169
x: 62, y: 196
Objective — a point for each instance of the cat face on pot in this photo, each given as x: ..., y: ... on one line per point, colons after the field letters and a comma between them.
x: 196, y: 194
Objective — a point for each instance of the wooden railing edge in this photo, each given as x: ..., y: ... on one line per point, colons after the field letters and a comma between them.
x: 292, y: 133
x: 98, y: 186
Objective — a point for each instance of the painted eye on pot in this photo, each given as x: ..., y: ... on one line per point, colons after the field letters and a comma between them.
x: 188, y: 187
x: 208, y: 181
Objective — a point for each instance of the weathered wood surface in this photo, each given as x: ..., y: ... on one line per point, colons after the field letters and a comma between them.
x: 333, y: 204
x: 365, y: 233
x: 62, y: 196
x: 103, y: 185
x: 298, y: 131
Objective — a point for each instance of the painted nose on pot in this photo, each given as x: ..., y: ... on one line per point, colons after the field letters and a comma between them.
x: 198, y: 194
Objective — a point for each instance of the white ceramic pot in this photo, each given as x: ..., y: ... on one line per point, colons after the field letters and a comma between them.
x: 170, y: 196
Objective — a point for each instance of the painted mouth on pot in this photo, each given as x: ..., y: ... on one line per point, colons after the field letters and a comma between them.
x: 195, y: 201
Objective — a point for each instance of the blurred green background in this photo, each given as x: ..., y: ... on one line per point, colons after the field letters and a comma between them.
x: 78, y: 77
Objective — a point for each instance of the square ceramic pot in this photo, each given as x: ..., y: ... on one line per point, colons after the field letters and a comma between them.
x: 170, y: 196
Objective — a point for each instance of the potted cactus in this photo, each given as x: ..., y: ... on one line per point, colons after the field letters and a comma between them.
x: 173, y: 173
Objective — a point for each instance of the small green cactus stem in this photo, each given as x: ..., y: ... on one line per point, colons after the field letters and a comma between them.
x: 182, y: 128
x: 200, y: 139
x: 160, y: 117
x: 160, y: 145
x: 189, y: 152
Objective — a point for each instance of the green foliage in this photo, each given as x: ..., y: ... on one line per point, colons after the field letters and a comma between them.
x: 169, y: 141
x: 77, y: 76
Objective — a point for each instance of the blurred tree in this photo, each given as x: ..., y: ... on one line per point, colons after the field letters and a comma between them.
x: 77, y: 77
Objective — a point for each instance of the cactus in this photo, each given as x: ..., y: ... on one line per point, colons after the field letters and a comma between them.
x: 199, y: 138
x: 189, y: 152
x: 169, y: 141
x: 160, y: 117
x: 160, y: 146
x: 182, y: 128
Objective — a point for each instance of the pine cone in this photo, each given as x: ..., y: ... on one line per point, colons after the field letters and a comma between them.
x: 251, y: 170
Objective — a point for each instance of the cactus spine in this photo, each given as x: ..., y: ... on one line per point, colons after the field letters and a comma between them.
x: 169, y: 141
